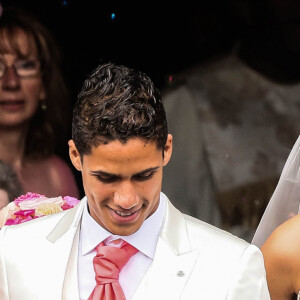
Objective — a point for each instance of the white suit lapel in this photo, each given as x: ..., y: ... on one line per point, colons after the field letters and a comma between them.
x: 173, y: 261
x: 62, y: 245
x: 70, y: 288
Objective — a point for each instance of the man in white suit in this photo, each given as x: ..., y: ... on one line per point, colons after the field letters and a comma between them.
x: 121, y: 144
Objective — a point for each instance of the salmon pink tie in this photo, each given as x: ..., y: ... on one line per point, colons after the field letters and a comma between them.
x: 108, y: 264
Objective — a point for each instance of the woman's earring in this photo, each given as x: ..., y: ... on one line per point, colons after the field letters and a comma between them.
x: 43, y: 105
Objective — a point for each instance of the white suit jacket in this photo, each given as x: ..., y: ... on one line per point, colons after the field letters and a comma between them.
x: 193, y: 260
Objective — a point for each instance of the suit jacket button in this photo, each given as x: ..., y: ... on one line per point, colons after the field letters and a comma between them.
x: 180, y: 273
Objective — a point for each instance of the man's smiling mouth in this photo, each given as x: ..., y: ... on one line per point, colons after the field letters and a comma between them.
x: 124, y: 214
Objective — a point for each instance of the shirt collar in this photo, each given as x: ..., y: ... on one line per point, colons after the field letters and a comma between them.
x: 145, y: 239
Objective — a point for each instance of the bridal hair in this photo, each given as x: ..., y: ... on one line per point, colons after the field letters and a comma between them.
x: 118, y: 103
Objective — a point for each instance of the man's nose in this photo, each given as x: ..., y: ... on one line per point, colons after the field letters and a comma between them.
x: 126, y: 196
x: 10, y: 79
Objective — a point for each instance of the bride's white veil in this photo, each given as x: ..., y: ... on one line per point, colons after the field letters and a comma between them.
x: 285, y: 200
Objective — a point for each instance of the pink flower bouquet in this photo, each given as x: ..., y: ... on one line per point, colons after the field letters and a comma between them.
x: 31, y: 206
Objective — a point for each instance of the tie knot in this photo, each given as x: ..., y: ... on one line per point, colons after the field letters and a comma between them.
x: 110, y: 260
x: 108, y: 263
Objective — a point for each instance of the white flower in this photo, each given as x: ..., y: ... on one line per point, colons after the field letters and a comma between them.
x: 35, y: 203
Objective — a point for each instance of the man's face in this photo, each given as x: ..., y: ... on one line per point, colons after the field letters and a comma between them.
x: 122, y: 182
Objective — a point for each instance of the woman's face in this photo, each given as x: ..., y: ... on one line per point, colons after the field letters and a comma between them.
x: 19, y: 96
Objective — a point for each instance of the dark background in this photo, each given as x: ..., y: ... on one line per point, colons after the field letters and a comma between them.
x: 159, y: 40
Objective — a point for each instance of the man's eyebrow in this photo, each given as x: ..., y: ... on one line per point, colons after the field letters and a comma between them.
x: 103, y: 173
x: 146, y: 171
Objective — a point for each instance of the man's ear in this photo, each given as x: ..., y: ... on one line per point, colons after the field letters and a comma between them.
x: 74, y: 155
x: 168, y: 149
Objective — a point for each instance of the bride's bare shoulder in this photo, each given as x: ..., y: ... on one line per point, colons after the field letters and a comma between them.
x: 281, y: 254
x: 287, y: 233
x: 283, y: 245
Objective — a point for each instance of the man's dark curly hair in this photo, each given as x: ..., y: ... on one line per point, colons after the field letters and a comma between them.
x: 118, y: 103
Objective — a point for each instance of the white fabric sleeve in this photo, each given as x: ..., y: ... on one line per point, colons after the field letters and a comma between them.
x: 250, y: 281
x: 3, y: 275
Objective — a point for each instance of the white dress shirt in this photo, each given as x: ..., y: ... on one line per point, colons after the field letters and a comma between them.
x: 145, y: 240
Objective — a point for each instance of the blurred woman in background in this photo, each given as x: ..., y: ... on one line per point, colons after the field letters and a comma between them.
x: 34, y: 106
